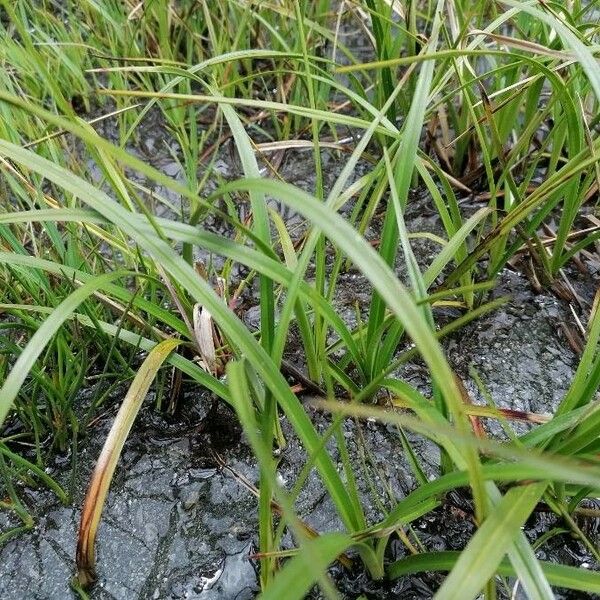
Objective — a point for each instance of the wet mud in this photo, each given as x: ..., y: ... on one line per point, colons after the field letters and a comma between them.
x: 180, y: 524
x: 179, y: 521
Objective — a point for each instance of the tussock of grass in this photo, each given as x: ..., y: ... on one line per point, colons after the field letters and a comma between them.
x: 104, y: 254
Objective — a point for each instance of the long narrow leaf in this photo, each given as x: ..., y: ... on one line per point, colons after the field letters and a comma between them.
x: 107, y: 461
x: 42, y: 336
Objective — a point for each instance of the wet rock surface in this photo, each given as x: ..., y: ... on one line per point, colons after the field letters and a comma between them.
x: 519, y: 351
x: 176, y: 523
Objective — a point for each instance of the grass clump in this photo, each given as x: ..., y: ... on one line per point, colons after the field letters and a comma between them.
x: 488, y: 108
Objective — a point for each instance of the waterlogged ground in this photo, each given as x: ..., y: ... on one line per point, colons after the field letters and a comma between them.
x: 179, y: 521
x: 180, y: 524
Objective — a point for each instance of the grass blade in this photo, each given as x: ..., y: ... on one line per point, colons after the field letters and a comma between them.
x: 42, y: 336
x: 107, y: 461
x: 561, y: 576
x: 479, y: 561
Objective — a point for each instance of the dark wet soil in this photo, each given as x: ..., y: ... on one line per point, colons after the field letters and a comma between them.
x: 178, y: 524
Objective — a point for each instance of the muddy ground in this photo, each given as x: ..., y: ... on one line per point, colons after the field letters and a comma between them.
x: 179, y: 524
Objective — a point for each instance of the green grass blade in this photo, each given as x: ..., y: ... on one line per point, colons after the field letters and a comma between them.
x: 297, y: 577
x: 204, y: 294
x: 480, y: 559
x: 561, y: 576
x: 42, y: 336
